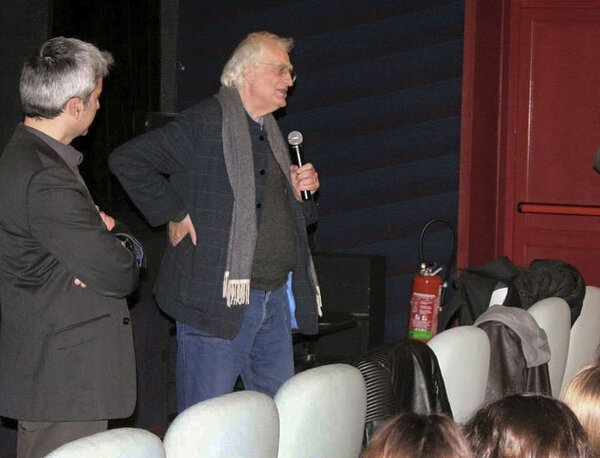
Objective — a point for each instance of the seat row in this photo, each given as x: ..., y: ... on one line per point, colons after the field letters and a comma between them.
x: 317, y: 413
x: 321, y: 412
x: 463, y: 352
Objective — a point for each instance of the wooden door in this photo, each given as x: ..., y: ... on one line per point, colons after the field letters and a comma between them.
x: 553, y: 130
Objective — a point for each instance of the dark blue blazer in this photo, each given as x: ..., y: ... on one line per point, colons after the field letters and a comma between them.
x: 180, y: 169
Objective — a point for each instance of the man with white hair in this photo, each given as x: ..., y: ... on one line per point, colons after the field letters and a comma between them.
x: 66, y: 348
x: 220, y: 175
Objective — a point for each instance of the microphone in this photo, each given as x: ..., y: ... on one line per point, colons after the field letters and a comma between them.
x: 295, y: 141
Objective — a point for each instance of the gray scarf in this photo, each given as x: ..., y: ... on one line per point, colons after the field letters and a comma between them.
x: 237, y: 150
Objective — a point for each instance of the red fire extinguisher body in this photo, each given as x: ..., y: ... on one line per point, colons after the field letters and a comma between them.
x: 424, y: 306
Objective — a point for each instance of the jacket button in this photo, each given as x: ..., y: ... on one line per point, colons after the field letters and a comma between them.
x: 261, y: 138
x: 258, y: 205
x: 125, y: 320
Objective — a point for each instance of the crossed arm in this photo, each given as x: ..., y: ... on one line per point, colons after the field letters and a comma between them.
x: 74, y: 232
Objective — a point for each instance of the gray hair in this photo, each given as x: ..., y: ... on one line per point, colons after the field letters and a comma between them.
x: 248, y: 53
x: 63, y: 69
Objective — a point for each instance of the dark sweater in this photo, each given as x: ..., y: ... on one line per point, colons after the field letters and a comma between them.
x: 275, y: 253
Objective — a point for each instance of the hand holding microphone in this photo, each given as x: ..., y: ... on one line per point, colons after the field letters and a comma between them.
x: 306, y: 176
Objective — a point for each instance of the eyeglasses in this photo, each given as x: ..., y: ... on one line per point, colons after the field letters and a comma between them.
x: 282, y: 69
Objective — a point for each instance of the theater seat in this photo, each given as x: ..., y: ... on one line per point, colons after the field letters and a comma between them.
x: 401, y: 377
x: 322, y: 413
x: 114, y: 443
x: 463, y: 354
x: 519, y: 360
x: 584, y: 335
x: 240, y: 424
x: 554, y: 316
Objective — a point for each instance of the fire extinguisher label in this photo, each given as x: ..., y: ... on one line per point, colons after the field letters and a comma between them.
x: 422, y: 316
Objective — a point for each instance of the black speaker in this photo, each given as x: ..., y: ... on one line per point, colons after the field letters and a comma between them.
x: 353, y: 293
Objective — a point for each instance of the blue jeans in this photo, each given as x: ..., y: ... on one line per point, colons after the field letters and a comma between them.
x: 261, y: 352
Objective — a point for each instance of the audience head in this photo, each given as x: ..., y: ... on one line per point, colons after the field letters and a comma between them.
x: 63, y: 69
x: 527, y: 426
x: 582, y: 395
x: 413, y: 435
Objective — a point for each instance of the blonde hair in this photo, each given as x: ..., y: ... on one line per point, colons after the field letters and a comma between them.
x: 582, y: 395
x: 248, y: 53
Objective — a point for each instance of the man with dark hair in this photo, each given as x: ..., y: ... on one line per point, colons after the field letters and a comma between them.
x: 237, y: 226
x: 66, y: 347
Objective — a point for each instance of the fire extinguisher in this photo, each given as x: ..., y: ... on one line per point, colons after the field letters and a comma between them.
x: 428, y: 290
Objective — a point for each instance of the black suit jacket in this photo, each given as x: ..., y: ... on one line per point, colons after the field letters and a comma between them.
x: 66, y: 352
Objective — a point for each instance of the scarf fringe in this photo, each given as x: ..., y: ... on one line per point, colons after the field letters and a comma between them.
x: 319, y: 301
x: 237, y: 292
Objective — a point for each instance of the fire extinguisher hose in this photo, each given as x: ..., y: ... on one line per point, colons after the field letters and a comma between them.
x: 450, y: 262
